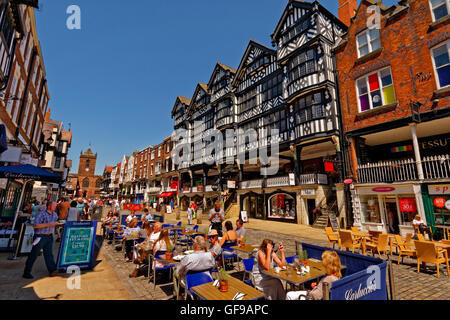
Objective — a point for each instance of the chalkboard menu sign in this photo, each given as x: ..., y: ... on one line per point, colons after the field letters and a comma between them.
x: 77, y: 245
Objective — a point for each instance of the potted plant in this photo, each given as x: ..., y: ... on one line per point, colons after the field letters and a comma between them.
x: 169, y: 253
x: 303, y: 257
x: 243, y: 241
x: 223, y: 279
x: 183, y: 227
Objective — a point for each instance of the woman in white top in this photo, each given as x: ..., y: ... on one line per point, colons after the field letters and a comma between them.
x: 272, y: 287
x: 130, y: 235
x: 162, y: 244
x: 72, y: 214
x: 190, y: 214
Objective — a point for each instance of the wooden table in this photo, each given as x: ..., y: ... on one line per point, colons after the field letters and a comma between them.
x: 290, y: 275
x: 208, y: 292
x: 248, y: 249
x: 444, y: 228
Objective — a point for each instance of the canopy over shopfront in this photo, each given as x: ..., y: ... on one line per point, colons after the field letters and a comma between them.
x: 166, y: 194
x: 28, y: 173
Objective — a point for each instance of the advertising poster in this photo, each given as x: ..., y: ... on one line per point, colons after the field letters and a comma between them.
x: 77, y: 245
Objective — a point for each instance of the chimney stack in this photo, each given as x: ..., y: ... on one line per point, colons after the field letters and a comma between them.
x: 346, y: 11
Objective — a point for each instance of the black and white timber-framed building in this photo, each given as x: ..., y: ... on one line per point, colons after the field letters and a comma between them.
x: 291, y: 88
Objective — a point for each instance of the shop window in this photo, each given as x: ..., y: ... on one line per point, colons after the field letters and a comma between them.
x: 370, y: 209
x: 282, y: 206
x: 408, y: 209
x: 441, y: 209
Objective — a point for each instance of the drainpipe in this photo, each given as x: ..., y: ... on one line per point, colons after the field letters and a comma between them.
x: 416, y: 151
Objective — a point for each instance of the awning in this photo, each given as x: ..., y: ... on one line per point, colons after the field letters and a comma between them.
x: 166, y: 194
x: 28, y: 172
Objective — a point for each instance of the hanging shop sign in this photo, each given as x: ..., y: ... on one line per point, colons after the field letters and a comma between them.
x: 407, y: 204
x: 439, y: 189
x: 329, y: 166
x: 383, y: 189
x: 439, y: 202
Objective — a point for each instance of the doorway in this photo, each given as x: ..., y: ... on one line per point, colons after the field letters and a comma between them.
x: 391, y: 214
x: 310, y: 206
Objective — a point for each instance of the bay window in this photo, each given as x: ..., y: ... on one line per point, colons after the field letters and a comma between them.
x: 368, y: 41
x: 441, y: 60
x: 375, y: 90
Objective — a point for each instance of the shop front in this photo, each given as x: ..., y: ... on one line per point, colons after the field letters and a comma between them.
x: 436, y: 198
x: 387, y: 208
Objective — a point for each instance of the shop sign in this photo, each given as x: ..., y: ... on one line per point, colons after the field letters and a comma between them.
x: 447, y: 205
x: 308, y: 192
x: 200, y: 188
x: 439, y: 189
x: 231, y: 184
x: 137, y: 207
x: 383, y: 189
x: 439, y: 202
x: 407, y: 205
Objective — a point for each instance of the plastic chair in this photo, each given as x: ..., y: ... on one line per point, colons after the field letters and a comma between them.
x: 380, y: 246
x: 290, y: 260
x: 197, y: 279
x: 332, y: 237
x: 403, y: 250
x: 354, y: 229
x: 195, y: 228
x: 248, y: 267
x: 347, y: 240
x: 179, y: 224
x: 150, y: 267
x: 428, y: 252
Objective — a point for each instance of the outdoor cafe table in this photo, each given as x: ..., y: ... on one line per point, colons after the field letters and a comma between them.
x: 290, y: 275
x: 208, y: 292
x: 248, y: 249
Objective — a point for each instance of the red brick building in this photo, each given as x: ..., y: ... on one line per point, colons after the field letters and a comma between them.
x: 394, y: 83
x: 86, y: 180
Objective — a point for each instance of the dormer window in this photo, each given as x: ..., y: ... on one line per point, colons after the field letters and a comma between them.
x: 368, y: 41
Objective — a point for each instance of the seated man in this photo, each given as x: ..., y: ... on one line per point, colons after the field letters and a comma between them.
x: 240, y: 230
x: 200, y: 260
x: 147, y: 216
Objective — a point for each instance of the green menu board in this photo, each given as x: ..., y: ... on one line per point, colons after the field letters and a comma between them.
x: 77, y: 245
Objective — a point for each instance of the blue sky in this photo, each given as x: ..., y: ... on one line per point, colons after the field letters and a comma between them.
x: 116, y: 80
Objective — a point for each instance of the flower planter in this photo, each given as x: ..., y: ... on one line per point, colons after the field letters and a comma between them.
x: 223, y: 285
x: 242, y: 245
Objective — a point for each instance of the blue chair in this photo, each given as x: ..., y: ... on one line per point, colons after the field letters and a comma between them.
x: 290, y: 260
x: 179, y: 224
x: 167, y: 267
x: 248, y: 267
x: 141, y: 240
x: 196, y: 279
x: 195, y: 228
x: 229, y: 254
x: 167, y: 226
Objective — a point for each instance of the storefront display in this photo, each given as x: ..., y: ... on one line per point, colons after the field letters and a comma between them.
x: 281, y: 206
x: 438, y: 199
x: 370, y: 209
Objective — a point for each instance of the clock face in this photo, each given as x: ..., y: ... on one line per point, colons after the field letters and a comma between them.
x: 87, y: 169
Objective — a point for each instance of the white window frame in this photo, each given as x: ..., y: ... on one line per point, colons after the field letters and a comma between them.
x: 366, y: 76
x: 446, y: 3
x: 369, y: 44
x: 436, y: 75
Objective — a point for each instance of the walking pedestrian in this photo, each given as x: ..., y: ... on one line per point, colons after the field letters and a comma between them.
x: 216, y: 216
x: 44, y: 226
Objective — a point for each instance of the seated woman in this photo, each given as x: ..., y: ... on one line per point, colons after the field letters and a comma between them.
x: 332, y: 264
x: 230, y: 236
x: 272, y: 287
x: 140, y: 255
x: 130, y: 235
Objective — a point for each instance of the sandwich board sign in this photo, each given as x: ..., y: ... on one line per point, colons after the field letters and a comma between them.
x: 77, y: 245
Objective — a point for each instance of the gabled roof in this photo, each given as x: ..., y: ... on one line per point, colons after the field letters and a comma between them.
x: 224, y: 67
x: 242, y: 67
x: 181, y: 99
x: 66, y: 136
x: 306, y: 5
x: 108, y: 169
x: 199, y: 86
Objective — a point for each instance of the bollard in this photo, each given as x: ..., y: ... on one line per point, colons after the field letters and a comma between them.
x: 326, y: 290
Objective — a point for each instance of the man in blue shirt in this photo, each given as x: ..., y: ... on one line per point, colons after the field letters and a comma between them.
x: 147, y: 215
x: 44, y: 228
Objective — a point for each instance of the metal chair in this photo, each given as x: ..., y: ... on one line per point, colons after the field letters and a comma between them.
x: 248, y: 267
x: 155, y: 269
